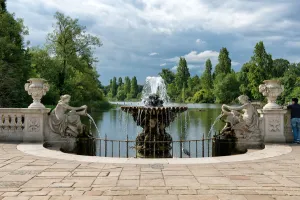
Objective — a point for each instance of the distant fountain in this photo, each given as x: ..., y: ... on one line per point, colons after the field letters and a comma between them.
x: 154, y: 117
x: 155, y: 85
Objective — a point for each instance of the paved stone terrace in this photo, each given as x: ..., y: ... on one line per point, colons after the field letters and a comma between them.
x: 23, y: 177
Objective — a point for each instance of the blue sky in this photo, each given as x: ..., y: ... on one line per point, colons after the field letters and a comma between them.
x: 140, y: 37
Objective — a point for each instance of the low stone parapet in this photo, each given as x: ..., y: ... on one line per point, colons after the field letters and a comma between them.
x: 23, y: 124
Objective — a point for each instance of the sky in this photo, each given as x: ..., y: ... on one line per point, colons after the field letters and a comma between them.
x: 140, y: 37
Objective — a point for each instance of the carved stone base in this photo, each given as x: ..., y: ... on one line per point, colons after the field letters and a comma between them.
x: 148, y: 148
x: 273, y: 125
x: 36, y: 105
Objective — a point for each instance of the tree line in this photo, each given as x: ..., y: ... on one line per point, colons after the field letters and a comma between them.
x: 221, y: 85
x: 66, y: 61
x: 224, y: 85
x: 120, y: 90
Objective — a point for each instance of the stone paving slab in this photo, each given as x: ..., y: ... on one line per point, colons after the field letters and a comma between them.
x: 271, y: 174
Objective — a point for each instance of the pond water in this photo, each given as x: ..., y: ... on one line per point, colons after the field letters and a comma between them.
x: 194, y: 124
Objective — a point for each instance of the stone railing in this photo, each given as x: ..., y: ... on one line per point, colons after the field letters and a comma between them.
x: 22, y: 124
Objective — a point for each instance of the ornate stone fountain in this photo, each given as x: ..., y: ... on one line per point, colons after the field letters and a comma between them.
x: 154, y: 118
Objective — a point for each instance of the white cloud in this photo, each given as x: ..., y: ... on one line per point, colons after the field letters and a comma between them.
x: 292, y: 44
x: 199, y: 41
x: 163, y: 64
x: 194, y: 57
x: 170, y: 16
x: 153, y: 54
x: 233, y: 63
x: 132, y: 30
x: 174, y: 68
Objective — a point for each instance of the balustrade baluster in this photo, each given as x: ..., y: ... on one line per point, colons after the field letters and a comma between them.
x: 6, y: 122
x: 19, y: 122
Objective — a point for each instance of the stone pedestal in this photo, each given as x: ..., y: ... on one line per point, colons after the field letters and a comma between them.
x: 273, y: 125
x: 36, y: 122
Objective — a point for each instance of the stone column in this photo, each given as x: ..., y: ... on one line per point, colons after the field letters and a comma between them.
x: 35, y: 124
x: 272, y: 114
x: 273, y: 125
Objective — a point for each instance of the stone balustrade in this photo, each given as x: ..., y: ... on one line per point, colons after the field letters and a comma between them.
x: 23, y: 124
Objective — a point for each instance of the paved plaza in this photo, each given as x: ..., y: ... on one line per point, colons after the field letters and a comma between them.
x: 24, y: 176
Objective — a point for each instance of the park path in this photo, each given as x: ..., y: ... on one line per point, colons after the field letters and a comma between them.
x: 24, y: 176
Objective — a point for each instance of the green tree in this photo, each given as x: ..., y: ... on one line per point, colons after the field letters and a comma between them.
x: 72, y: 45
x: 260, y: 69
x: 167, y: 75
x: 120, y: 82
x: 3, y: 6
x: 206, y: 79
x: 134, y: 88
x: 226, y: 88
x: 242, y: 77
x: 182, y: 75
x: 114, y: 87
x: 121, y: 95
x: 203, y: 96
x: 46, y: 67
x: 67, y: 62
x: 280, y: 66
x: 224, y: 65
x: 172, y: 92
x: 291, y: 82
x: 127, y: 85
x: 14, y: 60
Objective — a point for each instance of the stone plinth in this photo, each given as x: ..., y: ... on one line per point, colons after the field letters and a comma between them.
x: 273, y: 125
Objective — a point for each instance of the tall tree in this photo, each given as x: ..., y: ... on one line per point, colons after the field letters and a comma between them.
x: 114, y: 87
x: 127, y: 85
x: 134, y: 88
x: 182, y: 75
x: 226, y: 88
x: 280, y: 66
x: 2, y: 5
x: 260, y: 69
x: 167, y: 75
x: 242, y: 78
x: 224, y: 65
x: 71, y: 44
x: 14, y: 60
x: 206, y: 79
x: 120, y: 82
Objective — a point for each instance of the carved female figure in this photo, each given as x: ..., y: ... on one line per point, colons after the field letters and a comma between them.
x: 66, y: 124
x: 245, y: 121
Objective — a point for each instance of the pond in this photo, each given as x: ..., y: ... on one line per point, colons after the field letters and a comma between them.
x: 194, y: 124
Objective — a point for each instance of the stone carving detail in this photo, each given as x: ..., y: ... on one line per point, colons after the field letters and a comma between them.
x: 67, y: 123
x: 37, y: 88
x: 274, y: 125
x: 242, y: 122
x: 271, y: 89
x: 33, y: 124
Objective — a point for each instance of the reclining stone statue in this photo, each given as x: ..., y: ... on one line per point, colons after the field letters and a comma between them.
x: 67, y: 123
x: 242, y: 122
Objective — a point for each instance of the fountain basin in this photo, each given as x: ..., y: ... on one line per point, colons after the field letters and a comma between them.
x: 153, y: 141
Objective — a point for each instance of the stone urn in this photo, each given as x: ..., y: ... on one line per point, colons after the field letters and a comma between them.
x: 37, y: 88
x: 271, y: 89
